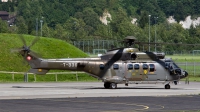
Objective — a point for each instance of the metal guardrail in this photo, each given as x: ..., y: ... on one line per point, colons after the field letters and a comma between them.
x: 26, y: 74
x: 6, y: 72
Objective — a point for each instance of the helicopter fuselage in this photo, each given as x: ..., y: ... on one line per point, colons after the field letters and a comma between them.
x: 120, y: 65
x: 114, y: 68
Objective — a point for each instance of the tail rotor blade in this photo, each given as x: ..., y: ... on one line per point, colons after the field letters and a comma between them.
x: 23, y: 40
x: 16, y: 50
x: 34, y: 41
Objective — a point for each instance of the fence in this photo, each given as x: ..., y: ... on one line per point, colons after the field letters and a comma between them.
x: 35, y: 79
x: 96, y: 46
x: 193, y: 68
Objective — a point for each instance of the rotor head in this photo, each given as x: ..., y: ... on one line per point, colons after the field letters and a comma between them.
x: 129, y: 41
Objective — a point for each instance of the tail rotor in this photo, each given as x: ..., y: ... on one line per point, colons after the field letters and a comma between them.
x: 25, y: 50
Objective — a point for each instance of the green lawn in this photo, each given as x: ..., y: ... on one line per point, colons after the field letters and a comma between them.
x: 47, y: 78
x: 184, y: 58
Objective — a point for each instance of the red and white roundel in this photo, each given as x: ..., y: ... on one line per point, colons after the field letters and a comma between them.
x: 28, y: 58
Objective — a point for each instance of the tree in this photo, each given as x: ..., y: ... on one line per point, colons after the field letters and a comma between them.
x: 76, y: 28
x: 143, y: 20
x: 3, y: 26
x: 47, y: 31
x: 60, y: 32
x: 104, y: 31
x: 91, y: 19
x: 21, y: 25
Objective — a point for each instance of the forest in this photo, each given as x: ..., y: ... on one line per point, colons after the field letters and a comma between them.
x: 79, y: 19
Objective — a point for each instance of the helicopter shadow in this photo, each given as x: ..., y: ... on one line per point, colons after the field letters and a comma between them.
x: 135, y: 88
x: 101, y: 88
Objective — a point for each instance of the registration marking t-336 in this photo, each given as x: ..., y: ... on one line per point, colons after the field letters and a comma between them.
x: 70, y: 64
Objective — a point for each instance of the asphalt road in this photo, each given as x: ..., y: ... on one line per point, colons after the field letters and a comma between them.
x: 92, y: 97
x: 103, y: 104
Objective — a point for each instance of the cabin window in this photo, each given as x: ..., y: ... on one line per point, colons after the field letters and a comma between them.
x: 130, y: 66
x: 136, y: 66
x: 151, y: 67
x: 115, y: 66
x: 101, y: 66
x: 145, y: 66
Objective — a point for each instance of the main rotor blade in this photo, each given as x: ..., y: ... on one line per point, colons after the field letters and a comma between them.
x: 23, y: 40
x: 166, y: 43
x: 34, y: 41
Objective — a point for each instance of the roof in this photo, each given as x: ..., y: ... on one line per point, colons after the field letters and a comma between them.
x: 4, y: 13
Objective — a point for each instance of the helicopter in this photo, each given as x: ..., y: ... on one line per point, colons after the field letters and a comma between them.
x: 126, y: 65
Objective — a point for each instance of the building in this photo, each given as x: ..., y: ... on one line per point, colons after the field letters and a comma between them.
x: 4, y: 0
x: 4, y: 15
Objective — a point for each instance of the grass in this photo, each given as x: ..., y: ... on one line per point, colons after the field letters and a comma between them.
x: 193, y: 69
x: 45, y: 78
x: 194, y: 78
x: 184, y: 58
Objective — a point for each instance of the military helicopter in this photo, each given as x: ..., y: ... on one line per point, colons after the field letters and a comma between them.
x: 118, y: 66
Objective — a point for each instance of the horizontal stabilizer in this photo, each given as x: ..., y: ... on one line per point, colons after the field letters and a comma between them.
x: 38, y: 71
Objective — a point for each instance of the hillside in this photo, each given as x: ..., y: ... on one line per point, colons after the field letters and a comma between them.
x: 46, y: 47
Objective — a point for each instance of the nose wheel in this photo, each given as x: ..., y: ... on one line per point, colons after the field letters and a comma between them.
x: 167, y: 86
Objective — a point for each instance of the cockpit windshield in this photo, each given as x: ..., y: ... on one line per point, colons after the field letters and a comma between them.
x: 175, y: 65
x: 171, y: 65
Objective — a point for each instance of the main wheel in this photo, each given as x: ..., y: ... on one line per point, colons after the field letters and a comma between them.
x: 113, y: 85
x: 167, y: 86
x: 107, y: 85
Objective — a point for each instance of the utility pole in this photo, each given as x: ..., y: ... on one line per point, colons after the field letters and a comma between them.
x: 155, y: 32
x: 41, y: 21
x: 149, y: 32
x: 36, y: 27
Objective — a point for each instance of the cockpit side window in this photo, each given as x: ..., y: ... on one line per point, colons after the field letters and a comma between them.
x: 136, y: 66
x: 167, y: 65
x: 175, y: 66
x: 151, y: 67
x: 115, y: 66
x: 145, y: 66
x: 101, y: 66
x: 130, y: 66
x: 171, y: 65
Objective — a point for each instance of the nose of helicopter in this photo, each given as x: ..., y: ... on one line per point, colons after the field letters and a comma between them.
x: 186, y: 73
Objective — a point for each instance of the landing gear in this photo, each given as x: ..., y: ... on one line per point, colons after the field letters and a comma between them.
x: 108, y: 85
x: 175, y: 82
x: 113, y: 85
x: 167, y: 86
